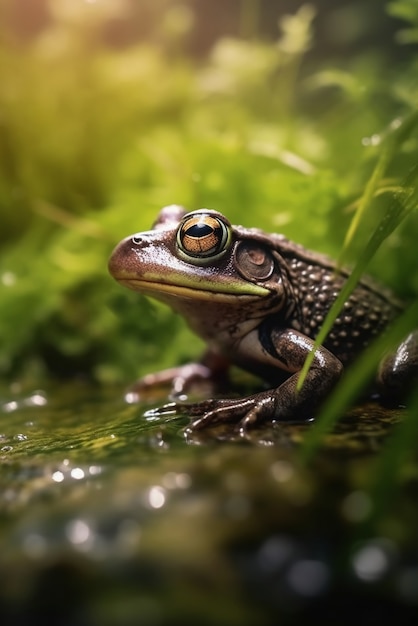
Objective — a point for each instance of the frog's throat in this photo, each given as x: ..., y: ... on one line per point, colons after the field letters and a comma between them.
x: 208, y: 292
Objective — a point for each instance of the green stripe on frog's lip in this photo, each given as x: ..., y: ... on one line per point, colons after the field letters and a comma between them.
x: 210, y: 292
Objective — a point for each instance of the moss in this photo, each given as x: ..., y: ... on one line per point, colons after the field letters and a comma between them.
x: 96, y: 137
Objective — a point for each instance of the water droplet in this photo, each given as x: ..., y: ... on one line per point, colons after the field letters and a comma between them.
x: 20, y: 437
x: 78, y: 532
x: 156, y: 497
x: 372, y: 560
x: 8, y: 407
x: 95, y: 470
x: 58, y: 476
x: 77, y: 473
x: 38, y: 398
x: 131, y: 397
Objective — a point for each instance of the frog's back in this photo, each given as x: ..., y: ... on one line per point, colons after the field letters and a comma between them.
x: 315, y: 283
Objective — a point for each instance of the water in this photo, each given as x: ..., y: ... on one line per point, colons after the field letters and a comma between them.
x: 109, y: 518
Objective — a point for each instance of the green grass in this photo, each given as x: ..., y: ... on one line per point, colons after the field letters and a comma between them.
x: 94, y: 139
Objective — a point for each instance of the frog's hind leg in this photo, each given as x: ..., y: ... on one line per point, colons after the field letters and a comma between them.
x: 399, y: 370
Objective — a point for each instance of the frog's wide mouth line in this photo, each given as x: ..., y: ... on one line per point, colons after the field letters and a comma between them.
x: 193, y: 293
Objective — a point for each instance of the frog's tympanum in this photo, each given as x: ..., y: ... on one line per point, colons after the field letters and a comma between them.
x: 258, y: 301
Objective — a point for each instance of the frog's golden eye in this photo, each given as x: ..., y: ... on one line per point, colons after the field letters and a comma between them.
x: 203, y: 237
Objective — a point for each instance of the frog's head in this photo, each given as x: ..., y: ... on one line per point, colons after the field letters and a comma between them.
x: 200, y: 256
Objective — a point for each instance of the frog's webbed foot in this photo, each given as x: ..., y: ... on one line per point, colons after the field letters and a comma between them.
x: 284, y: 403
x: 246, y: 412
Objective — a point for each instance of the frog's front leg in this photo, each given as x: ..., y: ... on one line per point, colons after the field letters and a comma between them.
x: 398, y: 371
x: 285, y: 350
x: 211, y: 371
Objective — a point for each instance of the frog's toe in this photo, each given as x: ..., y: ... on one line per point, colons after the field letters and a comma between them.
x: 246, y: 412
x: 199, y: 423
x: 250, y: 420
x: 222, y: 411
x: 167, y: 409
x: 260, y: 412
x: 210, y: 418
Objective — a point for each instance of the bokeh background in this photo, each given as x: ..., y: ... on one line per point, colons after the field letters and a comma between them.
x: 273, y: 112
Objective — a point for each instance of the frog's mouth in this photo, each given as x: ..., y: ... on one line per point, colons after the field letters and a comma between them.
x: 201, y: 291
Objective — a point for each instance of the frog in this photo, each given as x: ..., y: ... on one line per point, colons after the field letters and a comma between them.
x: 257, y: 300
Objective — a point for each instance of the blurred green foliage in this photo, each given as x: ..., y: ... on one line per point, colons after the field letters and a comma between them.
x: 96, y: 138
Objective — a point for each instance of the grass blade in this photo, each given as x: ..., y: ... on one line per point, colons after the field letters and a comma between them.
x: 356, y: 378
x: 396, y: 135
x: 402, y: 203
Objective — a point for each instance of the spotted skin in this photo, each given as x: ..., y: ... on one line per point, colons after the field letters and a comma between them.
x: 364, y: 315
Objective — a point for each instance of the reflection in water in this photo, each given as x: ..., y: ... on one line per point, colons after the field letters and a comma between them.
x: 88, y: 485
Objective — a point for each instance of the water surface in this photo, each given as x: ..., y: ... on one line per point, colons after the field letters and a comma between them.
x: 109, y: 518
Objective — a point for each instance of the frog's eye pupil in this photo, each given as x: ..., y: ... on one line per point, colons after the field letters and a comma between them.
x: 202, y: 237
x: 199, y: 230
